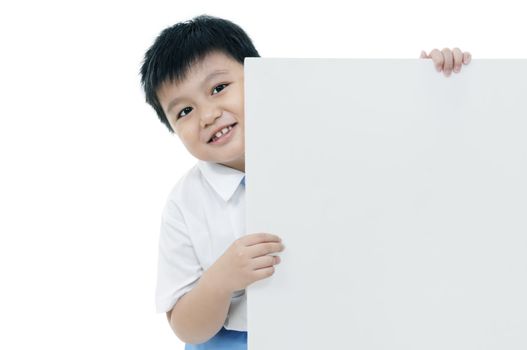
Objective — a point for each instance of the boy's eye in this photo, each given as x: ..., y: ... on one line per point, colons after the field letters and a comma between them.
x: 219, y: 86
x: 187, y: 108
x: 184, y: 109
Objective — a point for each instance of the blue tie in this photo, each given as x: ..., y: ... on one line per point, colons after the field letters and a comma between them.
x: 243, y: 181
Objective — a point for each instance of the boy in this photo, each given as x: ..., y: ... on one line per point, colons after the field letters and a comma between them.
x: 193, y: 78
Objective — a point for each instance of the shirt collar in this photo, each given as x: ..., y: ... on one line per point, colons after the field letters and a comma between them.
x: 223, y: 180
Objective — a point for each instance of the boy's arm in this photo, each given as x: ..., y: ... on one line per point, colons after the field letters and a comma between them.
x: 200, y: 313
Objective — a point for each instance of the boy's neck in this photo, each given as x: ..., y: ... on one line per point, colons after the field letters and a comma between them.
x: 238, y: 165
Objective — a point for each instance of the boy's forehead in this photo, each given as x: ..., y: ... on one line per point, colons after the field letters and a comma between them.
x: 212, y: 64
x: 215, y: 57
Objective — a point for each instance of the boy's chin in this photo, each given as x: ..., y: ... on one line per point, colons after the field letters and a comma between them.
x: 237, y: 162
x: 226, y: 159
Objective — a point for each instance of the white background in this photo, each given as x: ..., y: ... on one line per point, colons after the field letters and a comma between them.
x: 86, y: 166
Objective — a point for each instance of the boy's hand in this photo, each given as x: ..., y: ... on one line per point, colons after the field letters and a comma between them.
x: 447, y: 60
x: 246, y: 261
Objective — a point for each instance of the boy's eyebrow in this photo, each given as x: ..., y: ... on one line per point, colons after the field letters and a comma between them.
x: 209, y: 77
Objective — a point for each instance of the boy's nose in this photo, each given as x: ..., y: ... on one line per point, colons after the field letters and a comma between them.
x: 209, y: 116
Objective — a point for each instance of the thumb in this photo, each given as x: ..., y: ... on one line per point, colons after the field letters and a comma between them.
x: 424, y: 55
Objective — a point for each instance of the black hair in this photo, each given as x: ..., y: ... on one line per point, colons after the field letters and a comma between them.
x: 178, y: 47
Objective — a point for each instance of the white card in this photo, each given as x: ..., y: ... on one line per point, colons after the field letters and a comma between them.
x: 401, y: 198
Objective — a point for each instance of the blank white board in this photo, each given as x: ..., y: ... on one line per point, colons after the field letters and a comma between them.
x: 400, y: 195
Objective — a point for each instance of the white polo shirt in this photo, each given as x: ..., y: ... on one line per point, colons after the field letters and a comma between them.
x: 203, y: 215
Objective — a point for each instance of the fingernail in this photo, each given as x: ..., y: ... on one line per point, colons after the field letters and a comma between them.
x: 438, y: 68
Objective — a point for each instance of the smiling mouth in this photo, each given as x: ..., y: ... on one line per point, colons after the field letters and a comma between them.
x: 214, y: 136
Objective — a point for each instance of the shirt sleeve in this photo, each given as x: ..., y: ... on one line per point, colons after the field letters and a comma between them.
x: 178, y: 266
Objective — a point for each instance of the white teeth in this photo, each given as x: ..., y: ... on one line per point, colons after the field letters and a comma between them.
x: 221, y: 133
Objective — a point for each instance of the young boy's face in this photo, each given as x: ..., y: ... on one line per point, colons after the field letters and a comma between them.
x: 209, y: 100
